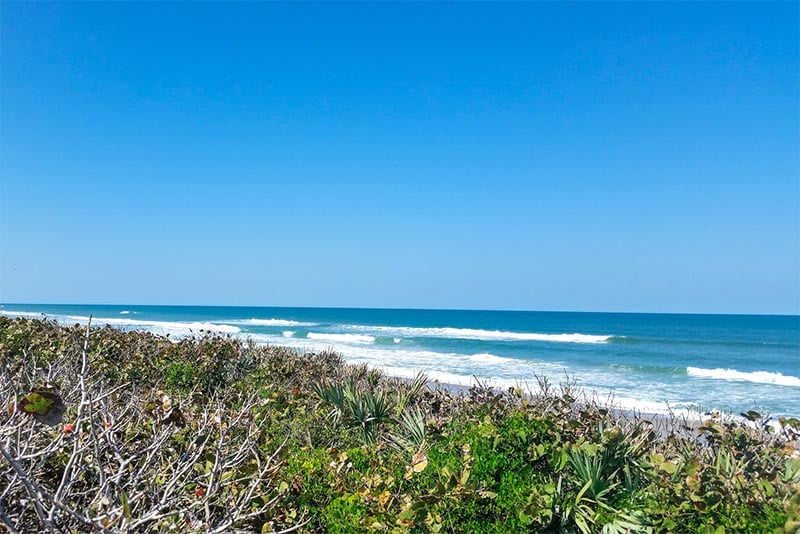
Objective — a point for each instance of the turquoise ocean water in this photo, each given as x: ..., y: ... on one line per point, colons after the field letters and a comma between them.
x: 651, y: 362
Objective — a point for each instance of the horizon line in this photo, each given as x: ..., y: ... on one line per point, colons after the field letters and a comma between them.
x: 390, y: 308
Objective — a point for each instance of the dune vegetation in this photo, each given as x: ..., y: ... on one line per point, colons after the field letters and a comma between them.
x: 118, y: 431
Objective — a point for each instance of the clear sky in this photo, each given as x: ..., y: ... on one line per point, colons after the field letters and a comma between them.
x: 543, y: 156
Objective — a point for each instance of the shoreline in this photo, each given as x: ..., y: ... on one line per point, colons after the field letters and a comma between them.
x: 327, y: 445
x: 663, y: 424
x: 618, y: 387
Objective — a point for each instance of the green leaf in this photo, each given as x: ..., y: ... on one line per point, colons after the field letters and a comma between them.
x: 668, y: 467
x: 582, y: 524
x: 767, y: 487
x: 38, y: 402
x: 126, y: 506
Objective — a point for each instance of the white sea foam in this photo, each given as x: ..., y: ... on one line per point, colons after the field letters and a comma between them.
x: 649, y: 393
x: 268, y: 322
x: 490, y: 358
x: 11, y: 313
x: 342, y: 338
x: 124, y: 312
x: 162, y: 327
x: 495, y: 371
x: 440, y: 376
x: 503, y: 371
x: 655, y: 407
x: 464, y: 369
x: 480, y: 334
x: 759, y: 377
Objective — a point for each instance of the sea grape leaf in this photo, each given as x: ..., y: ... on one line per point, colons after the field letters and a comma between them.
x: 668, y: 467
x: 792, y: 470
x: 751, y: 415
x: 174, y: 417
x: 44, y: 405
x: 38, y: 402
x: 419, y: 462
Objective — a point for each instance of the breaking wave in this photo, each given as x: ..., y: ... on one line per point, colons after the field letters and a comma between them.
x: 480, y: 334
x: 21, y: 313
x: 163, y: 327
x: 342, y: 338
x: 759, y: 377
x: 268, y: 322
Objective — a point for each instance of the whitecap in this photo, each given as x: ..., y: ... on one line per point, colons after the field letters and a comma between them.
x: 343, y: 338
x: 163, y: 327
x: 759, y: 377
x: 268, y: 322
x: 480, y: 334
x: 490, y: 358
x: 21, y: 313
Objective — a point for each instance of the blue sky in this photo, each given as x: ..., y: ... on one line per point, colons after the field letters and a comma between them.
x: 543, y: 156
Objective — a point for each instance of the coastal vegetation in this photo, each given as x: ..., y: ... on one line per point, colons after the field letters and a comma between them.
x: 110, y: 430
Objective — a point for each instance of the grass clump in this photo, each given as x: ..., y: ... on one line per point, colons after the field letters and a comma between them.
x: 139, y: 432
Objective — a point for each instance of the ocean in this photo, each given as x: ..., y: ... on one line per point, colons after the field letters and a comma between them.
x: 654, y: 363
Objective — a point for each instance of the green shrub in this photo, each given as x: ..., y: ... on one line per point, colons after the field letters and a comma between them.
x: 305, y: 441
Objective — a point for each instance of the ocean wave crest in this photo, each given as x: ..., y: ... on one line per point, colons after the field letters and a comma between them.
x: 171, y: 327
x: 759, y: 377
x: 490, y: 358
x: 342, y: 338
x: 21, y: 313
x: 268, y: 322
x: 159, y: 327
x: 480, y: 334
